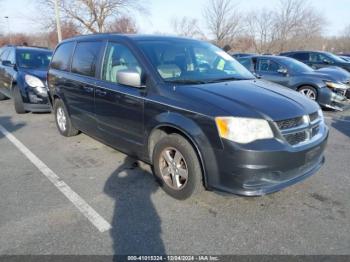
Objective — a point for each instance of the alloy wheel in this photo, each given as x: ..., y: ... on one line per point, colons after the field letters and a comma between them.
x: 309, y: 93
x: 173, y: 168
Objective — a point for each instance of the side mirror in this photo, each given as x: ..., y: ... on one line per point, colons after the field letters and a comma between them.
x: 129, y: 78
x: 7, y: 63
x: 326, y: 61
x: 257, y: 75
x: 282, y: 71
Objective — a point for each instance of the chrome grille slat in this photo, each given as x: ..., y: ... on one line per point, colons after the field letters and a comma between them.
x: 300, y: 130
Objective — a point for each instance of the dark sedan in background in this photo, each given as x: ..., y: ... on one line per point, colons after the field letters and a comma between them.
x: 23, y: 73
x: 318, y: 59
x: 327, y: 86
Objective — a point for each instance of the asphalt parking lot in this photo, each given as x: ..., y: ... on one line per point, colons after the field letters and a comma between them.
x: 37, y: 218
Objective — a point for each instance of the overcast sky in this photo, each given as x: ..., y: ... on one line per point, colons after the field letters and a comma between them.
x: 337, y: 13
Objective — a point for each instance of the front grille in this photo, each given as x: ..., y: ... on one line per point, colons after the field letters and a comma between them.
x: 296, y: 138
x: 313, y: 117
x: 301, y: 129
x: 290, y: 123
x: 315, y: 131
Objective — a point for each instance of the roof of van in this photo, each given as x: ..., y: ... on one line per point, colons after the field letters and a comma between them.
x: 127, y: 36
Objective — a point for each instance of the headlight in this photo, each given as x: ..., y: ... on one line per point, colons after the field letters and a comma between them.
x: 243, y: 130
x: 36, y: 83
x: 336, y: 85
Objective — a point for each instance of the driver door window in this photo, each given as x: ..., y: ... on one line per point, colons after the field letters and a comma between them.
x: 320, y: 58
x: 269, y: 66
x: 118, y: 58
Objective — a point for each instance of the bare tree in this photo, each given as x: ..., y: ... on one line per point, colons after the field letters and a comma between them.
x: 261, y: 27
x: 223, y: 20
x: 124, y: 25
x: 68, y: 28
x: 346, y: 32
x: 188, y: 27
x: 296, y: 19
x: 95, y: 16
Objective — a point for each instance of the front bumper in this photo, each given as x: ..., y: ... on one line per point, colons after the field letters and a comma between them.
x: 34, y: 102
x: 250, y: 171
x: 335, y: 100
x: 37, y: 108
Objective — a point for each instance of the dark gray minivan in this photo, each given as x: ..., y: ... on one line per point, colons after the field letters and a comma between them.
x: 188, y: 108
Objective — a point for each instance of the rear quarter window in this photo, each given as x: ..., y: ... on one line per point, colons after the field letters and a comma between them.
x: 61, y: 58
x: 85, y: 58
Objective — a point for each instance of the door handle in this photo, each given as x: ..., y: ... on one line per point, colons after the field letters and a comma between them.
x: 100, y: 92
x: 88, y: 89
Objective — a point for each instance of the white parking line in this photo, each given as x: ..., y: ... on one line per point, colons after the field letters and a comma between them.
x: 99, y: 222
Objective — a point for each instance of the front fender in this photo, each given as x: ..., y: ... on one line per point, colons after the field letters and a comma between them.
x: 205, y: 139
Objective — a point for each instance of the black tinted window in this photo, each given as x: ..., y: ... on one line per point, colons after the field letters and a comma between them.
x: 33, y: 59
x: 61, y: 58
x: 301, y: 56
x: 247, y: 63
x: 85, y: 58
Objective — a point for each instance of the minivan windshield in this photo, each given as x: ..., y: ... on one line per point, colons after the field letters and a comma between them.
x: 34, y: 59
x: 186, y: 61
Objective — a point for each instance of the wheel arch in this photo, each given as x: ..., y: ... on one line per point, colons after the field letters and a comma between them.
x: 169, y: 123
x: 165, y: 129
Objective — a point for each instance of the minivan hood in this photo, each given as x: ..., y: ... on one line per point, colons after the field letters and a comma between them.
x: 252, y: 98
x: 42, y: 74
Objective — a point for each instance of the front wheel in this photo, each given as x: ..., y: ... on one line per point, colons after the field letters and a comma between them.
x: 63, y: 121
x: 177, y: 167
x: 309, y: 92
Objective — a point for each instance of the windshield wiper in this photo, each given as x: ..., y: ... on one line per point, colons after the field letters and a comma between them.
x: 187, y: 81
x: 225, y: 79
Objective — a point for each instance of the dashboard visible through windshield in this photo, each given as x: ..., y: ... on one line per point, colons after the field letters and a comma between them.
x: 193, y: 62
x: 31, y: 59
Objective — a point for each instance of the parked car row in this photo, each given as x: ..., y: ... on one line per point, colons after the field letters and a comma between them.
x: 326, y: 86
x: 198, y: 116
x: 23, y: 73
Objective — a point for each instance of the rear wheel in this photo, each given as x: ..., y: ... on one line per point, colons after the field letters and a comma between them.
x: 63, y: 121
x: 18, y: 101
x: 177, y: 167
x: 309, y: 92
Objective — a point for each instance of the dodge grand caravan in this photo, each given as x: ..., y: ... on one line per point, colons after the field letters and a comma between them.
x: 188, y: 108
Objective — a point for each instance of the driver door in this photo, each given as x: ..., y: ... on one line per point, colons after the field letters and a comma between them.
x: 272, y: 71
x: 119, y: 108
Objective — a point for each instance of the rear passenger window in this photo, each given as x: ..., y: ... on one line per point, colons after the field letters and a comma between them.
x: 85, y: 58
x: 61, y: 58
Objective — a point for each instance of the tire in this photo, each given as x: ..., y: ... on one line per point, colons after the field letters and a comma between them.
x: 2, y: 97
x: 177, y: 149
x: 63, y: 121
x: 18, y: 101
x: 309, y: 92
